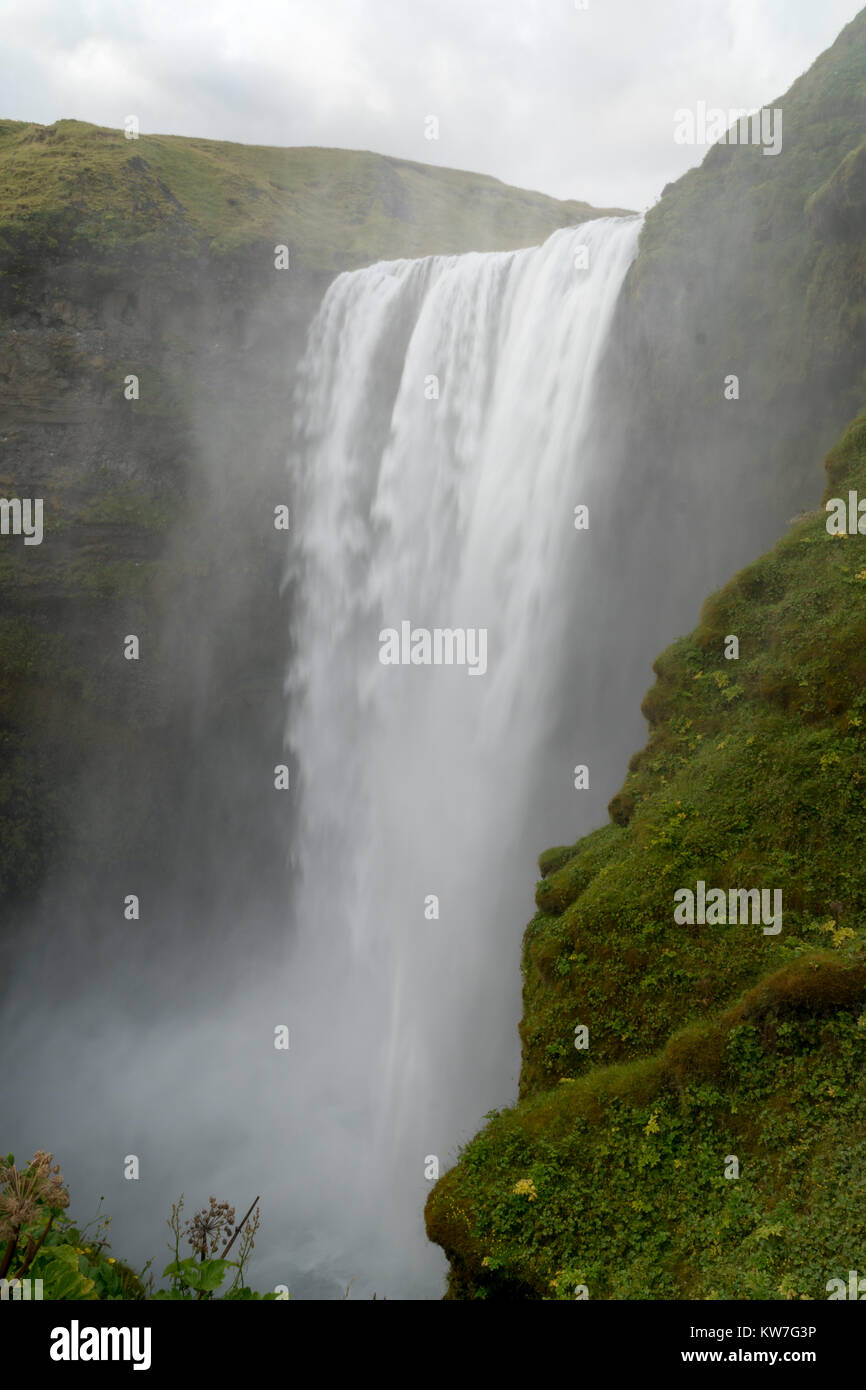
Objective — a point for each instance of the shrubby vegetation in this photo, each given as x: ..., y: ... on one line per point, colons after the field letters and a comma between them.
x: 39, y: 1241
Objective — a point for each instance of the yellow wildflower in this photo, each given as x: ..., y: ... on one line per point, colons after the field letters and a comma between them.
x: 525, y: 1187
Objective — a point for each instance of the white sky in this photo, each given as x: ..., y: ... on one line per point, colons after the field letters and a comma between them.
x: 576, y: 103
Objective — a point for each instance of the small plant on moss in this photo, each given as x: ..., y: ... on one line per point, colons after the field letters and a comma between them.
x: 525, y: 1187
x: 838, y: 934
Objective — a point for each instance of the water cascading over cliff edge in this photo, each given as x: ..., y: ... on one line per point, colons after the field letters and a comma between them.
x: 444, y: 443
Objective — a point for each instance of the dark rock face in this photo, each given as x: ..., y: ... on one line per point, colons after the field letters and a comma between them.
x: 158, y: 522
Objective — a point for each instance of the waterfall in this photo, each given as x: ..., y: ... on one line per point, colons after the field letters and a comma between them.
x: 443, y: 420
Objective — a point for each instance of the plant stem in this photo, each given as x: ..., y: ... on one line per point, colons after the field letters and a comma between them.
x: 10, y: 1251
x: 239, y: 1228
x: 33, y: 1250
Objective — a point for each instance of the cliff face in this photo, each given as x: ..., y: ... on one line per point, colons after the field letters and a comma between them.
x: 750, y: 267
x: 158, y: 522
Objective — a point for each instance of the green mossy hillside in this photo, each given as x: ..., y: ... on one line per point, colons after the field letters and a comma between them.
x: 614, y: 1186
x: 704, y: 1040
x: 754, y: 776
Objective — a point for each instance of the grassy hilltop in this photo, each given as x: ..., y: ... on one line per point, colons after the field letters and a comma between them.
x: 335, y: 209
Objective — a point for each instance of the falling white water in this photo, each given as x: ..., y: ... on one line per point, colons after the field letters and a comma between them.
x: 448, y: 512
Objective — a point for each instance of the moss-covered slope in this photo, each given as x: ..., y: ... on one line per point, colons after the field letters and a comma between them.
x: 705, y: 1041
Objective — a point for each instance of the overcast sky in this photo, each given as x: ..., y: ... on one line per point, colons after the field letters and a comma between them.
x: 577, y: 103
